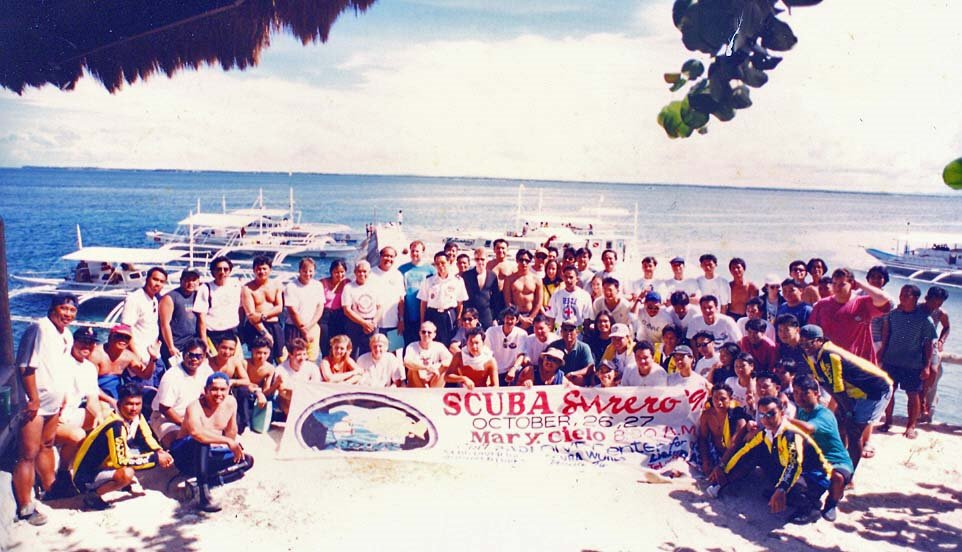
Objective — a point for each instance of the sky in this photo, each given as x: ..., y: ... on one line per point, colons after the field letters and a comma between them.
x: 544, y: 90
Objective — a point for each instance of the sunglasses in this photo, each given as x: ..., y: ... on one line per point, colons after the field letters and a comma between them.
x: 427, y: 332
x: 770, y: 414
x: 195, y: 356
x: 524, y: 260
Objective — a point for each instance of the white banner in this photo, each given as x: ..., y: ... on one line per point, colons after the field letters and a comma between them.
x: 629, y: 427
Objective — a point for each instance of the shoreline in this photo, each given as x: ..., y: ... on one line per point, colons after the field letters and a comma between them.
x: 907, y: 496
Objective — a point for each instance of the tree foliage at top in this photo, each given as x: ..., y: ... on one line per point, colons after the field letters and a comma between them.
x: 740, y: 36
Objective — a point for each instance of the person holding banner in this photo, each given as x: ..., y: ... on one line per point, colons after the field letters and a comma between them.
x: 473, y: 366
x: 426, y: 360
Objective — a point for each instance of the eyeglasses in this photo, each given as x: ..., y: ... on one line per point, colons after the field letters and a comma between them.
x: 195, y: 356
x: 427, y: 332
x: 568, y: 328
x: 770, y: 414
x: 524, y: 260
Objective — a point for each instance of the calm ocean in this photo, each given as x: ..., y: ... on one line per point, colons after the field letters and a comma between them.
x: 768, y: 228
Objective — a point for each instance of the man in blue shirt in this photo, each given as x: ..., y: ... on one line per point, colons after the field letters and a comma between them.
x: 414, y: 273
x: 579, y: 364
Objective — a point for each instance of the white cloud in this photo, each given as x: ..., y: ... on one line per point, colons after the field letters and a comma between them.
x: 861, y: 103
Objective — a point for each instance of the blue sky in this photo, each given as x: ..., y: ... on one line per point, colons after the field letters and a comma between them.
x: 543, y: 90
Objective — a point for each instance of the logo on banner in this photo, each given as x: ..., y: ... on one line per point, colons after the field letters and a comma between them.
x: 364, y: 422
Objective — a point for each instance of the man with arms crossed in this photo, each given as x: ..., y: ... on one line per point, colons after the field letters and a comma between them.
x: 524, y: 290
x: 304, y: 306
x: 263, y: 302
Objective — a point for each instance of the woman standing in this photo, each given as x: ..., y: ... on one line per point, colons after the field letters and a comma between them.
x: 333, y: 320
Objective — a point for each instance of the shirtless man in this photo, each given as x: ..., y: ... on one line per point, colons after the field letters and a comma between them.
x: 524, y: 290
x: 741, y: 289
x: 717, y: 427
x: 473, y: 366
x: 263, y: 302
x: 500, y: 265
x: 115, y: 358
x: 260, y: 371
x: 246, y: 392
x: 207, y: 446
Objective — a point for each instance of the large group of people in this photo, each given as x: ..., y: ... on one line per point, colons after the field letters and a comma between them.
x: 799, y: 369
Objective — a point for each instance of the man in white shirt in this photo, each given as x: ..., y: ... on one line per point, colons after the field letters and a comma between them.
x: 652, y: 319
x: 303, y: 306
x: 610, y: 261
x: 612, y: 302
x: 380, y: 367
x: 682, y: 311
x: 389, y: 283
x: 426, y: 360
x: 708, y: 357
x: 442, y: 297
x: 571, y: 302
x: 295, y: 369
x: 678, y: 282
x: 710, y: 284
x: 218, y: 304
x: 44, y: 361
x: 644, y: 372
x: 140, y: 313
x: 684, y: 375
x: 647, y: 283
x: 505, y: 342
x: 722, y: 326
x: 180, y: 386
x: 532, y: 347
x: 360, y: 301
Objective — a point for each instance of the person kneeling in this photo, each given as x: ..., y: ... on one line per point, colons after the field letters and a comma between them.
x: 121, y: 444
x: 207, y: 446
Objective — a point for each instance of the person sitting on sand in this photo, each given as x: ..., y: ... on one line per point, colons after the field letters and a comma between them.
x: 122, y: 443
x: 180, y: 386
x: 338, y: 366
x: 207, y: 447
x: 743, y: 382
x: 473, y: 366
x: 379, y: 367
x: 861, y: 389
x: 249, y: 395
x: 642, y: 371
x: 426, y: 360
x: 819, y: 422
x: 548, y: 372
x: 115, y: 360
x: 794, y: 468
x: 717, y: 427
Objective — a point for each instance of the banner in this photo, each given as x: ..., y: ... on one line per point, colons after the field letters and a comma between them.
x: 628, y: 427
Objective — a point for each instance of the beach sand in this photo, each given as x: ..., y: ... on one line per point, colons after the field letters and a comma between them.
x: 908, y: 496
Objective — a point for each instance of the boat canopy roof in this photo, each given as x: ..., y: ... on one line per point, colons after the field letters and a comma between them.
x: 133, y: 255
x: 322, y: 227
x: 218, y: 220
x: 260, y: 212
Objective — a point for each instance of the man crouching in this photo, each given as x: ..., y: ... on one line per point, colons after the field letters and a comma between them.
x: 207, y: 446
x: 121, y: 444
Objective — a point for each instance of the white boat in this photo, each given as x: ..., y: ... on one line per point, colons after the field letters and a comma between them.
x: 939, y: 262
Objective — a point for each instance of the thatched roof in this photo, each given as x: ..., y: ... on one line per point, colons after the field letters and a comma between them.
x: 53, y: 41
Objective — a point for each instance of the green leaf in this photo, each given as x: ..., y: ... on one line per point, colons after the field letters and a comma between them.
x: 672, y: 78
x: 952, y: 174
x: 693, y: 117
x: 693, y: 69
x: 777, y: 35
x: 678, y: 85
x: 670, y: 119
x: 741, y: 98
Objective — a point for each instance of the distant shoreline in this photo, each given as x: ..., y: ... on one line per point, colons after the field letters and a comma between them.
x: 491, y: 178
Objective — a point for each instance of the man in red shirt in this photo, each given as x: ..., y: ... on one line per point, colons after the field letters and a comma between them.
x: 846, y: 318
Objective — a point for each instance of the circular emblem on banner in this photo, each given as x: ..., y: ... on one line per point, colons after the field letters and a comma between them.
x: 364, y: 422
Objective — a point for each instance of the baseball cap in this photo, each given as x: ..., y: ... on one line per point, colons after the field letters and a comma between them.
x: 570, y: 322
x: 541, y: 252
x: 87, y: 334
x: 653, y: 296
x: 682, y: 350
x: 677, y: 260
x: 811, y: 331
x: 554, y: 353
x: 620, y: 330
x: 122, y: 329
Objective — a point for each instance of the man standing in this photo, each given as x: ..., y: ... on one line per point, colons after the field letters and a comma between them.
x: 218, y: 304
x: 741, y: 290
x: 861, y: 389
x: 140, y: 313
x: 846, y: 318
x: 207, y: 446
x: 361, y: 307
x: 442, y: 297
x: 609, y: 258
x: 502, y: 267
x: 612, y: 302
x: 652, y: 319
x: 389, y: 283
x: 304, y: 306
x: 722, y: 326
x: 414, y: 273
x: 178, y: 321
x: 906, y: 353
x: 44, y: 362
x: 263, y: 303
x: 793, y: 304
x: 523, y: 290
x: 585, y: 274
x: 481, y: 286
x: 710, y: 284
x: 647, y: 283
x: 570, y: 302
x: 678, y: 282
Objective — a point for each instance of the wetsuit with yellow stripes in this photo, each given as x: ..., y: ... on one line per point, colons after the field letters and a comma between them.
x: 790, y: 459
x: 110, y: 447
x: 843, y: 372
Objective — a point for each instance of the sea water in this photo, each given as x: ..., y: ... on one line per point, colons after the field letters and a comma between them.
x: 767, y: 227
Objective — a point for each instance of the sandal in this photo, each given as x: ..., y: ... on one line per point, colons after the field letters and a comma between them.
x: 868, y: 451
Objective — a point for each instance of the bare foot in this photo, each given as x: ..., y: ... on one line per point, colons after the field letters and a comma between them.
x: 910, y: 433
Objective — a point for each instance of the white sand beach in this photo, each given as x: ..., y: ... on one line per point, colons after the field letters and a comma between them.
x: 908, y: 496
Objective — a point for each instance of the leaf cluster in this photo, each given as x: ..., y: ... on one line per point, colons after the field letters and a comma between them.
x: 739, y: 36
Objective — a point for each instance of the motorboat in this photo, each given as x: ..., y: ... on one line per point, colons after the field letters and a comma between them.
x: 938, y: 262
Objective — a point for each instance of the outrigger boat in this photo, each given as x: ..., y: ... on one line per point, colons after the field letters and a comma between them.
x: 939, y: 263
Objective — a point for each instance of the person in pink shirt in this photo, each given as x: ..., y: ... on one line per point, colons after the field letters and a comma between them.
x: 846, y: 318
x: 763, y: 349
